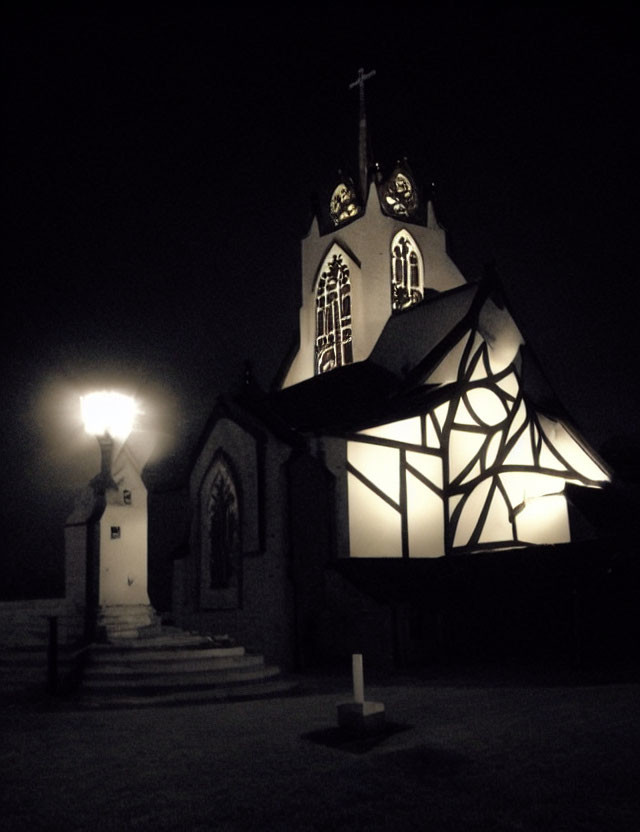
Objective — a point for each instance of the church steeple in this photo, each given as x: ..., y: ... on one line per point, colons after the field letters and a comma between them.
x: 363, y: 155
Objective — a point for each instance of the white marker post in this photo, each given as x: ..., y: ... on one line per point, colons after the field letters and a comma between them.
x: 359, y: 717
x: 358, y: 678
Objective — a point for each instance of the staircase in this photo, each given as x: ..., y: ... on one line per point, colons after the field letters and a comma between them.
x: 174, y: 667
x: 142, y: 663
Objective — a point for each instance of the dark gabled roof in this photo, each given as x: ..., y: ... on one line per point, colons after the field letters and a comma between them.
x: 410, y: 336
x: 333, y: 401
x: 389, y: 384
x: 376, y: 389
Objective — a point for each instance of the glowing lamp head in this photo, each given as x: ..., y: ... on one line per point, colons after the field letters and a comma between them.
x: 109, y: 413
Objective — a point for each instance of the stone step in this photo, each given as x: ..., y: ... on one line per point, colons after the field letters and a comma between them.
x: 168, y: 666
x: 100, y: 654
x: 175, y: 664
x: 137, y: 621
x: 255, y: 690
x: 168, y: 682
x: 122, y: 633
x: 160, y: 642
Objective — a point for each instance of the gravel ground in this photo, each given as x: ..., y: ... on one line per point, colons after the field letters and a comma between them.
x: 461, y: 756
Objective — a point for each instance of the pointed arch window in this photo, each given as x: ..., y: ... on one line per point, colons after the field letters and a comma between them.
x: 223, y: 523
x: 407, y: 272
x: 334, y: 346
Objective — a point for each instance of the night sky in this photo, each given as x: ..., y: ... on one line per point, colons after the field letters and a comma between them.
x: 160, y: 172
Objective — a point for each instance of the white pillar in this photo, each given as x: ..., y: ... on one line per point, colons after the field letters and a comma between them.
x: 358, y: 677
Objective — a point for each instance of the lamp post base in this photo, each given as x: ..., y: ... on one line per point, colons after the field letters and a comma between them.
x: 127, y: 621
x: 361, y: 718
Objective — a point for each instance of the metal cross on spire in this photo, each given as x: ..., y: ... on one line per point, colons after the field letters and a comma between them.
x: 362, y: 144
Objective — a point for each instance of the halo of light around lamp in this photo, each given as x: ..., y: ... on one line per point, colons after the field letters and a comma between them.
x: 107, y: 412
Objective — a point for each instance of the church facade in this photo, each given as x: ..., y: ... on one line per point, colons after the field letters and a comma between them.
x: 410, y: 427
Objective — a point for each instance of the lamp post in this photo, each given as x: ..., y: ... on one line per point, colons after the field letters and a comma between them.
x: 107, y: 416
x: 106, y: 536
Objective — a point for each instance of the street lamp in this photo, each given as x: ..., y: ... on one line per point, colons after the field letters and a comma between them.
x: 108, y: 412
x: 107, y: 533
x: 107, y: 415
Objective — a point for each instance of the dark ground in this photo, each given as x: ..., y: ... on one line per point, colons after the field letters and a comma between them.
x: 484, y: 752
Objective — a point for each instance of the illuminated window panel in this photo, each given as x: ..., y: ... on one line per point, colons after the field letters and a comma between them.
x: 473, y: 474
x: 542, y: 485
x: 407, y: 272
x: 549, y: 460
x: 521, y: 452
x: 502, y: 350
x: 374, y: 525
x: 523, y: 485
x: 515, y: 486
x: 486, y: 405
x: 474, y: 368
x: 463, y: 447
x: 497, y: 526
x: 470, y: 513
x: 505, y: 466
x: 544, y: 520
x: 571, y: 451
x: 343, y: 205
x: 379, y: 464
x: 463, y: 417
x: 399, y: 196
x: 479, y: 373
x: 510, y: 384
x: 334, y: 346
x: 448, y: 369
x: 493, y: 448
x: 432, y: 438
x: 535, y: 434
x: 518, y: 420
x: 425, y: 520
x: 440, y: 415
x: 428, y: 465
x: 406, y: 430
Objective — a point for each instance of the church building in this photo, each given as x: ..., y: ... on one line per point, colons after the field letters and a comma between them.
x: 411, y: 427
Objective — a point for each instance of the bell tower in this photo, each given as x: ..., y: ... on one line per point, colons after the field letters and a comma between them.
x: 378, y: 251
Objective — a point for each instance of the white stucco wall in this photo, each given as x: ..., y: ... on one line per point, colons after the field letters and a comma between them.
x: 123, y: 559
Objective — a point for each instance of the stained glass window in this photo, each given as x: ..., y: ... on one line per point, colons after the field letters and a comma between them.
x: 399, y: 198
x: 223, y: 517
x: 407, y: 279
x: 343, y: 205
x: 333, y: 315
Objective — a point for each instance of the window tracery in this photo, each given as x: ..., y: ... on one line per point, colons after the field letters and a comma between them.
x: 223, y: 522
x: 343, y: 205
x: 333, y: 315
x: 399, y: 198
x: 407, y: 279
x: 482, y: 470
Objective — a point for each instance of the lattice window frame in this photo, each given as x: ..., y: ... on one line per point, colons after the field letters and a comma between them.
x: 407, y: 271
x: 503, y: 435
x: 334, y: 334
